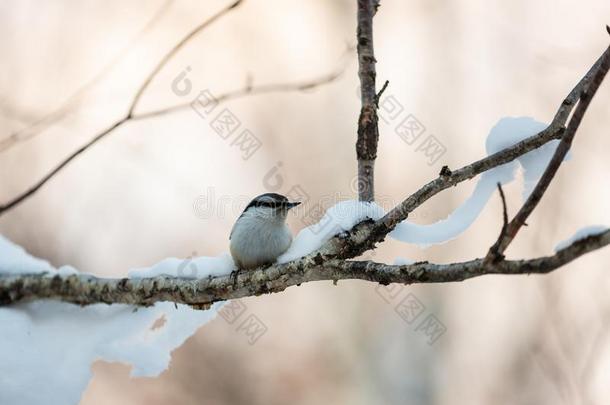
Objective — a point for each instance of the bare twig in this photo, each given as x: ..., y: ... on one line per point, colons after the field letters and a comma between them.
x: 250, y: 90
x: 504, y: 207
x: 494, y: 255
x: 378, y: 96
x: 172, y: 52
x: 368, y: 130
x: 38, y: 126
x: 85, y: 289
x: 30, y: 191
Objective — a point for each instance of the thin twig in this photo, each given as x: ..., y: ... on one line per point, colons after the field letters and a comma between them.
x: 30, y: 191
x: 378, y: 96
x: 172, y: 52
x: 249, y: 90
x: 496, y: 255
x: 38, y: 126
x: 504, y: 207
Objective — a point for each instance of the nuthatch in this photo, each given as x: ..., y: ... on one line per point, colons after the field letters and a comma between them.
x: 260, y: 234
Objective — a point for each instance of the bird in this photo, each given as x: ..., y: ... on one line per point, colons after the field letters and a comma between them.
x: 260, y: 234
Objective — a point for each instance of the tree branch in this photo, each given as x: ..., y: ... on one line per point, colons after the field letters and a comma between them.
x: 368, y: 130
x: 200, y: 293
x: 251, y: 90
x: 375, y: 232
x: 172, y: 52
x: 497, y: 250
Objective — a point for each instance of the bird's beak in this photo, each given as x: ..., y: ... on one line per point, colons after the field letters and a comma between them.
x: 290, y: 205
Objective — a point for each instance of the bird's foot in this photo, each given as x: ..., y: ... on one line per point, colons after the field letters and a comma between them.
x: 234, y: 274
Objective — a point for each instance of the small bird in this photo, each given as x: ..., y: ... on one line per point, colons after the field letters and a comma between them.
x: 260, y: 234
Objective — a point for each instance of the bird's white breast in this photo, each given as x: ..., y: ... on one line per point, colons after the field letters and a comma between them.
x: 258, y: 240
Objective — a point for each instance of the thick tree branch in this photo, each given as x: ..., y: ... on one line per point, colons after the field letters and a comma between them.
x: 200, y: 293
x: 368, y: 129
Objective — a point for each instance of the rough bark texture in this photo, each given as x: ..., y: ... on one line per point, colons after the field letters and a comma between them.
x: 200, y: 293
x: 368, y: 129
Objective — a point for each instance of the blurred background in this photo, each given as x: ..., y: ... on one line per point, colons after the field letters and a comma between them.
x: 171, y: 185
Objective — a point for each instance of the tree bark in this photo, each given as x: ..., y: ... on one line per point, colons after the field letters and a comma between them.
x: 368, y: 129
x: 201, y: 293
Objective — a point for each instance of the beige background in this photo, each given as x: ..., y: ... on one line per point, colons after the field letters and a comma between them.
x: 457, y: 66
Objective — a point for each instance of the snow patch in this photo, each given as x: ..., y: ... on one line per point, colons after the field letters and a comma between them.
x: 47, y: 347
x: 15, y: 260
x: 581, y: 234
x: 191, y: 267
x: 339, y: 218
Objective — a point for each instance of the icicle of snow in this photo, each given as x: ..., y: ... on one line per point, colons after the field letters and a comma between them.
x: 47, y: 347
x: 581, y: 234
x: 507, y: 132
x: 339, y: 218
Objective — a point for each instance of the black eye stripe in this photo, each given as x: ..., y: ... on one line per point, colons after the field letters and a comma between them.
x: 268, y: 204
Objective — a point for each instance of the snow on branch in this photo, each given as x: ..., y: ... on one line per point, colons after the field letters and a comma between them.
x: 202, y: 292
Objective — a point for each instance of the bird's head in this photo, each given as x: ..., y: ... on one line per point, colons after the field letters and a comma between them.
x: 271, y: 206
